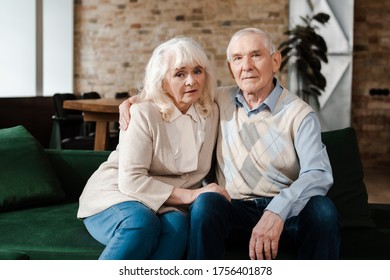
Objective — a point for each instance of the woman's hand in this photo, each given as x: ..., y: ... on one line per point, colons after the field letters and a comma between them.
x: 186, y: 196
x: 213, y: 187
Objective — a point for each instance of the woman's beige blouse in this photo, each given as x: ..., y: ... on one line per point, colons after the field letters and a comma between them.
x: 143, y: 167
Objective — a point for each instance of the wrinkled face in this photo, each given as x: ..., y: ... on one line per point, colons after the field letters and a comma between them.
x: 185, y: 85
x: 252, y: 66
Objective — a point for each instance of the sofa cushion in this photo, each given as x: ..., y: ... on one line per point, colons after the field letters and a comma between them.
x: 26, y: 176
x: 348, y: 191
x: 50, y: 232
x: 74, y: 167
x: 11, y: 255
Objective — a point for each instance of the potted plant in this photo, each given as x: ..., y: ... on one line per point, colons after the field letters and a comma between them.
x: 305, y: 49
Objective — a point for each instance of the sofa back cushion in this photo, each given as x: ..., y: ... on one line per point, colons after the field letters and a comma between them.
x: 74, y: 167
x: 26, y: 176
x: 348, y: 191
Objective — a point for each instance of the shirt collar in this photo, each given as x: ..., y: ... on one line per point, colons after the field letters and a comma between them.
x: 269, y: 102
x: 190, y: 112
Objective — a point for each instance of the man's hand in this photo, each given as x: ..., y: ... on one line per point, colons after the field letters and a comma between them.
x: 124, y: 112
x: 265, y: 237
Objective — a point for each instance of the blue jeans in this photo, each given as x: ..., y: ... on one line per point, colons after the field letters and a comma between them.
x: 315, y: 231
x: 132, y: 231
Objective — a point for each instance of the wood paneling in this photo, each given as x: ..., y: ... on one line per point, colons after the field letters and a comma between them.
x: 34, y: 113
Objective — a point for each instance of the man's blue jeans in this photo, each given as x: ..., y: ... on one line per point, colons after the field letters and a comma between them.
x: 130, y: 230
x: 315, y: 231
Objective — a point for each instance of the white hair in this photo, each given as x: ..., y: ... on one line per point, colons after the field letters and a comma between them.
x: 177, y: 52
x: 251, y: 30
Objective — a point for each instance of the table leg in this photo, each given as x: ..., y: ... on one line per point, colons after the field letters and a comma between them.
x: 101, y: 136
x: 102, y: 121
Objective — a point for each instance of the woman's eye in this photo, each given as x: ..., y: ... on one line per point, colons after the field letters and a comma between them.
x: 198, y: 71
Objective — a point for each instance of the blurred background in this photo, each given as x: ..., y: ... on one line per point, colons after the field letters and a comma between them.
x: 79, y: 46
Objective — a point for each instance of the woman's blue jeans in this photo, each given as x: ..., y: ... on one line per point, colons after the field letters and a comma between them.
x: 315, y: 231
x: 132, y: 231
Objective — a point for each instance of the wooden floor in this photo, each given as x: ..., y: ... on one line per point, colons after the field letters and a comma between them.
x: 378, y: 185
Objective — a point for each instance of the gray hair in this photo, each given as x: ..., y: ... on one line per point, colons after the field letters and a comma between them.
x: 251, y: 30
x: 177, y: 52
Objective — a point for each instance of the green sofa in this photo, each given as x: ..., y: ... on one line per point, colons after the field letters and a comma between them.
x: 39, y: 192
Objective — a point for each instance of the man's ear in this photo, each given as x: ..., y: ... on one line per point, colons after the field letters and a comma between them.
x: 276, y: 61
x: 230, y: 70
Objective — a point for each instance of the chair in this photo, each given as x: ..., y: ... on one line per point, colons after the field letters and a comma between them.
x: 90, y: 127
x: 114, y: 131
x: 68, y: 126
x: 91, y: 95
x: 120, y: 95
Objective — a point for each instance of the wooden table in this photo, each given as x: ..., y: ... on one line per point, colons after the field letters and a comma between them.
x: 102, y: 111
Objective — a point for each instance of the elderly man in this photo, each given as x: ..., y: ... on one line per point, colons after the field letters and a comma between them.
x: 271, y: 159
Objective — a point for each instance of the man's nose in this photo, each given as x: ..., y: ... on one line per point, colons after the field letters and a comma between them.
x: 247, y: 63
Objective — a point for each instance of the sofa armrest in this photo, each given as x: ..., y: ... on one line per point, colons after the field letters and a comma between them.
x: 74, y: 167
x: 348, y: 191
x: 380, y: 213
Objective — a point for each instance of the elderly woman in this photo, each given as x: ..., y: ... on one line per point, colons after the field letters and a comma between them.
x: 135, y: 203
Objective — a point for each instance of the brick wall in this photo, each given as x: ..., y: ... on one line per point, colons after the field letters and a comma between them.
x: 114, y: 40
x: 371, y: 70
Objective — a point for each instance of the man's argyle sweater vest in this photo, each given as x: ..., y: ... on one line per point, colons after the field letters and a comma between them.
x: 256, y: 155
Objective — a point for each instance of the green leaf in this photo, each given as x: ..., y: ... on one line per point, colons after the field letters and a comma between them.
x: 321, y: 18
x: 284, y: 63
x: 303, y: 48
x: 314, y: 90
x: 285, y: 52
x: 321, y: 54
x: 309, y: 49
x: 302, y: 66
x: 288, y: 42
x: 306, y: 91
x: 319, y: 80
x: 319, y: 42
x: 306, y: 20
x: 313, y: 61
